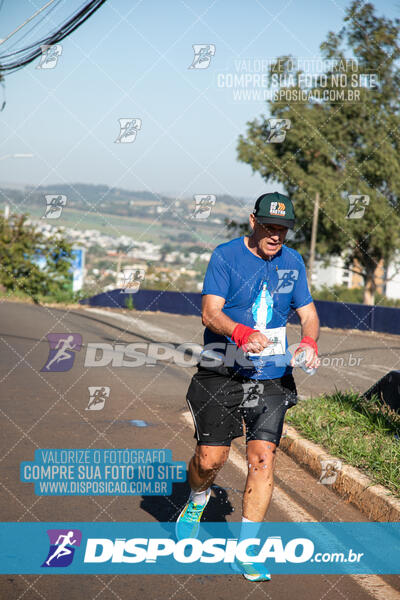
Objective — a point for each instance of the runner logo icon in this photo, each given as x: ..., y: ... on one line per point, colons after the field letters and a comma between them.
x: 132, y: 278
x: 203, y: 204
x: 287, y: 279
x: 50, y: 56
x: 202, y: 55
x: 252, y: 392
x: 277, y: 130
x: 128, y: 130
x: 357, y: 206
x: 62, y: 547
x: 62, y: 351
x: 97, y: 397
x: 54, y: 205
x: 330, y: 469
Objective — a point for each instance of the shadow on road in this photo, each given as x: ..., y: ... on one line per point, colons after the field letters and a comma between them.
x: 167, y: 508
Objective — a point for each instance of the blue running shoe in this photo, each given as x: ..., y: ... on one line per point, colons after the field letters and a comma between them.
x: 253, y: 571
x: 188, y: 522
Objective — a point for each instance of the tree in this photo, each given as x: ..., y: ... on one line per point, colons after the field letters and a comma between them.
x: 31, y: 262
x: 341, y: 148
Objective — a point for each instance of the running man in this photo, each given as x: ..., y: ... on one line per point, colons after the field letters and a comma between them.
x: 242, y: 304
x: 62, y: 549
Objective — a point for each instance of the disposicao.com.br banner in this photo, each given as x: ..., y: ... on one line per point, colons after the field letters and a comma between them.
x: 151, y: 548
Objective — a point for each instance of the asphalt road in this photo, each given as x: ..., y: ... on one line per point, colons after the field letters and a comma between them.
x: 47, y: 410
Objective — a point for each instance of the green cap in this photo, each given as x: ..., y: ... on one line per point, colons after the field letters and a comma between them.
x: 274, y: 208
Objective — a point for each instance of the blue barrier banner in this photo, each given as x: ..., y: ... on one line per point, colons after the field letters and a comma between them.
x: 386, y: 319
x: 98, y: 472
x: 151, y: 548
x: 337, y: 315
x: 182, y: 303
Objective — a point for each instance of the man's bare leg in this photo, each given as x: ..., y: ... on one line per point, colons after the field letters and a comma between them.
x: 260, y: 479
x: 205, y: 464
x: 256, y: 499
x: 203, y: 468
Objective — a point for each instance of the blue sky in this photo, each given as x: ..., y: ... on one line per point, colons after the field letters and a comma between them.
x: 130, y: 60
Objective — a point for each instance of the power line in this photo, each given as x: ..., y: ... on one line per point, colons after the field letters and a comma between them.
x: 34, y: 26
x: 13, y: 61
x: 25, y: 22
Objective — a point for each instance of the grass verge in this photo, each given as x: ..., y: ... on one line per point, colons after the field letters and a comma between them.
x: 363, y: 433
x: 63, y: 297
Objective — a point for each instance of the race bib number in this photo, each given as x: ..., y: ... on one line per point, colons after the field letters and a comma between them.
x: 277, y: 337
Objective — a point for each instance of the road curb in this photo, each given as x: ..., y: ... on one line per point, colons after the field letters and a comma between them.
x: 375, y: 501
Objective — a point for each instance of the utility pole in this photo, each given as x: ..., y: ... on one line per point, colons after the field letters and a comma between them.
x: 118, y: 276
x: 313, y: 239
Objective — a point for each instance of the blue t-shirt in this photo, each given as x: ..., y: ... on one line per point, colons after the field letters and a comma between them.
x: 257, y: 292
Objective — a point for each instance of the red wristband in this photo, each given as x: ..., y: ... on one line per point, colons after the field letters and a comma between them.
x: 308, y: 341
x: 241, y: 334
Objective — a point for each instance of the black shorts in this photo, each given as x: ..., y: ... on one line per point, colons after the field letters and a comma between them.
x: 220, y: 402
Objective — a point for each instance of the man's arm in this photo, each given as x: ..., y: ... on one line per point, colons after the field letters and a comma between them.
x: 309, y: 321
x: 309, y: 329
x: 214, y: 319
